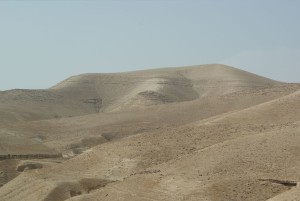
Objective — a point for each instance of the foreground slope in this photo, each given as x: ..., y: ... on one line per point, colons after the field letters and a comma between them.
x: 245, y: 156
x: 222, y: 159
x: 237, y: 142
x: 198, y: 133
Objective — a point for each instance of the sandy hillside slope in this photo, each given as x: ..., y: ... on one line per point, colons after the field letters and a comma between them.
x: 26, y: 105
x: 135, y: 89
x: 209, y: 132
x: 74, y: 135
x: 233, y: 159
x: 93, y: 93
x: 129, y: 103
x: 248, y: 154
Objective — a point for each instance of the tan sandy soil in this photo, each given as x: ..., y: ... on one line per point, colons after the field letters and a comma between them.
x: 209, y: 132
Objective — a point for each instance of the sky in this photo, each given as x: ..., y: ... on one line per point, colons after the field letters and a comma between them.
x: 44, y: 42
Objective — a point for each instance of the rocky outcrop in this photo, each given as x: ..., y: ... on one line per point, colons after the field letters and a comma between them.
x: 97, y: 102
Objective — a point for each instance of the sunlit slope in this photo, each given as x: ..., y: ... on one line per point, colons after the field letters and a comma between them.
x: 225, y: 157
x: 93, y: 93
x: 22, y: 146
x: 279, y: 111
x: 25, y: 105
x: 77, y: 133
x: 177, y: 133
x: 142, y: 88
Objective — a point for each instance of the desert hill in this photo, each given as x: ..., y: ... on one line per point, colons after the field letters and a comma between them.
x: 93, y: 93
x: 27, y: 105
x: 132, y: 89
x: 208, y: 161
x: 78, y: 133
x: 208, y: 132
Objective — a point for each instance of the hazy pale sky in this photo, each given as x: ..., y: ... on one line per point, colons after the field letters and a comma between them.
x: 44, y: 42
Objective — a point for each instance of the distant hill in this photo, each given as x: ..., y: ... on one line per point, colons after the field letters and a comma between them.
x: 93, y: 93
